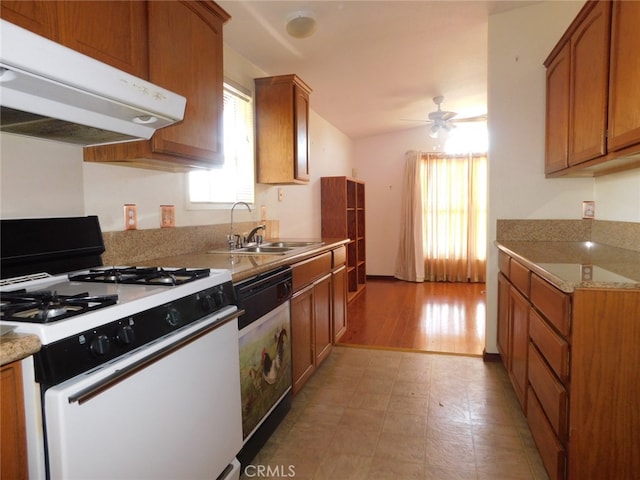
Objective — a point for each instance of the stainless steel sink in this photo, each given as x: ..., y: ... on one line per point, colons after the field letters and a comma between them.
x: 271, y: 248
x: 293, y: 244
x: 258, y: 250
x: 263, y: 249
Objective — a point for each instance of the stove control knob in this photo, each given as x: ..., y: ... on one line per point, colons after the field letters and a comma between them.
x: 100, y: 345
x: 173, y: 317
x: 208, y: 303
x: 125, y: 335
x: 219, y: 296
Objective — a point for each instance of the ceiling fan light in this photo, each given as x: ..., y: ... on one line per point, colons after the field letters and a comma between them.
x: 301, y: 24
x: 433, y: 131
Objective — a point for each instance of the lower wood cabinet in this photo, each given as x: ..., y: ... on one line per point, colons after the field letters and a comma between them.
x: 604, y: 413
x: 13, y: 443
x: 519, y: 339
x: 573, y: 359
x: 318, y: 311
x: 303, y: 356
x: 322, y: 318
x: 339, y: 285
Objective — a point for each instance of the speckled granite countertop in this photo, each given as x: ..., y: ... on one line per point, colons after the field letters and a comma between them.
x: 16, y: 346
x: 572, y: 265
x: 245, y: 266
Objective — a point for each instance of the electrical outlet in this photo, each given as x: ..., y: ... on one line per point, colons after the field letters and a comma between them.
x: 130, y: 217
x: 588, y: 209
x: 280, y: 194
x: 167, y: 216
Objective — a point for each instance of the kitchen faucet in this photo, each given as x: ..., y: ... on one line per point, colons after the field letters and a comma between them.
x: 234, y: 240
x: 252, y: 238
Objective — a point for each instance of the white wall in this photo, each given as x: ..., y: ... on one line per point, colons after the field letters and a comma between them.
x: 379, y: 161
x: 42, y: 178
x: 519, y: 42
x: 617, y: 196
x: 39, y: 178
x: 331, y: 154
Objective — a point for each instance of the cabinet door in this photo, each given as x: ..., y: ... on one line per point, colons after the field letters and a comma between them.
x: 322, y: 318
x: 302, y: 352
x: 339, y: 283
x: 114, y: 32
x: 504, y: 290
x: 557, y: 121
x: 589, y: 85
x: 519, y: 314
x: 301, y: 134
x: 185, y: 56
x: 624, y: 101
x: 13, y: 443
x: 37, y: 16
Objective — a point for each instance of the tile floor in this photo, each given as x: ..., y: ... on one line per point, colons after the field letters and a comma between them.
x: 375, y: 414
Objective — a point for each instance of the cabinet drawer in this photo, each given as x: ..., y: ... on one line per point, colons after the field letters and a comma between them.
x: 550, y: 392
x: 551, y: 451
x: 520, y: 277
x: 503, y: 263
x: 554, y: 304
x: 339, y: 257
x: 307, y: 271
x: 554, y: 349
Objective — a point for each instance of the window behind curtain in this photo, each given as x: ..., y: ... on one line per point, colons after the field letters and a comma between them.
x: 454, y: 196
x: 234, y: 180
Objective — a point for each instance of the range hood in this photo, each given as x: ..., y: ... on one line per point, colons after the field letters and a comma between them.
x: 50, y: 91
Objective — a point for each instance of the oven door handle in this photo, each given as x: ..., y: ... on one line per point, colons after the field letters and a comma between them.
x: 118, y: 376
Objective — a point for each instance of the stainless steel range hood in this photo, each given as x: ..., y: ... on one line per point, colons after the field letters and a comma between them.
x: 50, y: 91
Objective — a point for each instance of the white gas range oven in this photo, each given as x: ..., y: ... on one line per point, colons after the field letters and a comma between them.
x: 138, y: 375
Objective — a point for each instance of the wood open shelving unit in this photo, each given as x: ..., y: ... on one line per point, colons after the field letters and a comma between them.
x: 343, y: 216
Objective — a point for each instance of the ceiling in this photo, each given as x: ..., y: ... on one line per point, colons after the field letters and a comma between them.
x: 374, y: 66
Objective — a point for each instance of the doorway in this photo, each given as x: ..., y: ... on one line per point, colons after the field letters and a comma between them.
x: 443, y: 317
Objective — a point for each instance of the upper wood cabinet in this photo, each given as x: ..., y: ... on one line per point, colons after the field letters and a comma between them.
x: 589, y: 47
x: 185, y: 56
x: 189, y: 62
x: 113, y: 32
x: 624, y: 97
x: 282, y: 130
x: 593, y: 111
x: 557, y: 125
x: 37, y: 16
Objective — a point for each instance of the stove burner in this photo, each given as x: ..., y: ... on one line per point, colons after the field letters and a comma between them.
x: 141, y: 275
x: 45, y: 306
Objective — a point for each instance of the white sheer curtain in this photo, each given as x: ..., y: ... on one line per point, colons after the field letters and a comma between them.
x: 410, y: 258
x: 443, y: 225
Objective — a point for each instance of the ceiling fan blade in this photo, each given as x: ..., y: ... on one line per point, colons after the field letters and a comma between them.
x: 448, y: 115
x: 415, y: 120
x: 477, y: 118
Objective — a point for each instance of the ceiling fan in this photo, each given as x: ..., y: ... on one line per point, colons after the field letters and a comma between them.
x: 444, y: 120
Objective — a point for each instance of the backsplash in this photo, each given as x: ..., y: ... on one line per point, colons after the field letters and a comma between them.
x: 130, y: 247
x: 616, y: 234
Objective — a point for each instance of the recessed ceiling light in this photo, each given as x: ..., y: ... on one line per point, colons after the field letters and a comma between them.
x: 301, y: 24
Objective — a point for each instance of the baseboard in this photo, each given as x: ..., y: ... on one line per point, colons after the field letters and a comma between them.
x: 491, y: 357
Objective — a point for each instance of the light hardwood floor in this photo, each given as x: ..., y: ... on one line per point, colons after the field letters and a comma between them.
x: 431, y: 316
